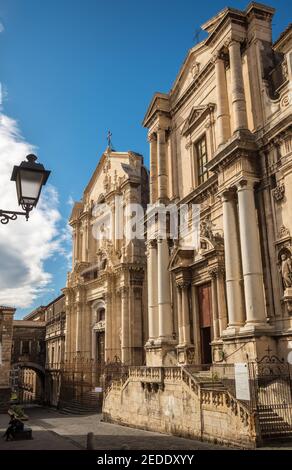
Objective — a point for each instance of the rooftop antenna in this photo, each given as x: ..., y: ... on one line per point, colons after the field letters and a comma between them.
x: 196, y: 37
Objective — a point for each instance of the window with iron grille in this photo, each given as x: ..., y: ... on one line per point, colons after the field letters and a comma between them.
x: 201, y: 155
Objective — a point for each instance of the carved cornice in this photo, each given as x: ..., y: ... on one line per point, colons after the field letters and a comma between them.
x: 283, y: 232
x: 241, y: 144
x: 279, y: 192
x: 202, y: 192
x: 99, y: 326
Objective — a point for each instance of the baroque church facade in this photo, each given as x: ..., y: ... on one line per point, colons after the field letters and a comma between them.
x: 221, y: 138
x: 105, y: 295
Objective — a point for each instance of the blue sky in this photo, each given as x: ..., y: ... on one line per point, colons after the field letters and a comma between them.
x: 72, y: 69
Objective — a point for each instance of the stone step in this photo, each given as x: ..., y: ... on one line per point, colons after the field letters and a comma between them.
x: 276, y: 433
x: 68, y: 409
x: 79, y: 405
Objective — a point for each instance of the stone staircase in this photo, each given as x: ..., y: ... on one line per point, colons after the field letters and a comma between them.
x: 207, y: 381
x: 272, y: 425
x: 90, y: 403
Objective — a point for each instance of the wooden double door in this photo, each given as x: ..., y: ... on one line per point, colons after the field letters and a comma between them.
x: 205, y: 318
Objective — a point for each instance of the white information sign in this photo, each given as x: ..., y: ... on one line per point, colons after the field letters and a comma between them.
x: 98, y: 389
x: 242, y: 381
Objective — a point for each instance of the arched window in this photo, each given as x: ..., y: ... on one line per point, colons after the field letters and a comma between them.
x: 101, y: 314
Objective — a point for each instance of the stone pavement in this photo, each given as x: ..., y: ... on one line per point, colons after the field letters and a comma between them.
x: 43, y: 439
x: 54, y: 430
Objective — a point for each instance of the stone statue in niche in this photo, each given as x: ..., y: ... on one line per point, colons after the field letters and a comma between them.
x: 286, y: 270
x: 206, y: 228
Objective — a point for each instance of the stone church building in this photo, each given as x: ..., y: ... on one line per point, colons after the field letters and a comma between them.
x: 221, y: 138
x: 106, y: 304
x: 203, y: 332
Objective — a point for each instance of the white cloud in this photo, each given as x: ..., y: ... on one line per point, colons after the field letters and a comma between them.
x: 1, y: 27
x: 24, y: 246
x: 70, y: 201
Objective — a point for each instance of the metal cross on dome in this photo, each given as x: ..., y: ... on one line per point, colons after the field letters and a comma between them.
x: 109, y: 139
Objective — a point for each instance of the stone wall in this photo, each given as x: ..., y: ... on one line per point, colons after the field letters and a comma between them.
x: 6, y: 321
x: 176, y: 407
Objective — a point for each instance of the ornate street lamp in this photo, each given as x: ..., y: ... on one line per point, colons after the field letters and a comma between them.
x: 29, y: 177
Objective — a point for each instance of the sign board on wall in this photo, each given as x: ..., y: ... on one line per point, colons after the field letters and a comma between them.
x: 242, y: 381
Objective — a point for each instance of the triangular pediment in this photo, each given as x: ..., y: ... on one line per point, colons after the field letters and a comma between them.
x: 197, y: 113
x: 159, y: 103
x: 76, y: 211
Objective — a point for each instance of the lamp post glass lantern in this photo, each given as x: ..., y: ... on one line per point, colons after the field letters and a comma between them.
x: 29, y: 177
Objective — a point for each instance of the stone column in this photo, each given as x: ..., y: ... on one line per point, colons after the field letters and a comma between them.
x: 196, y: 322
x: 93, y: 345
x: 185, y: 314
x: 161, y: 166
x: 153, y: 167
x: 237, y: 86
x: 74, y: 247
x: 215, y: 316
x: 221, y: 301
x: 108, y: 327
x: 251, y: 255
x: 165, y: 326
x: 113, y: 224
x: 78, y: 327
x: 234, y: 288
x: 152, y: 289
x: 223, y: 117
x: 179, y: 315
x: 125, y: 346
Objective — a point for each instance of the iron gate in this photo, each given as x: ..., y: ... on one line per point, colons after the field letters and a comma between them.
x: 270, y: 380
x: 83, y: 382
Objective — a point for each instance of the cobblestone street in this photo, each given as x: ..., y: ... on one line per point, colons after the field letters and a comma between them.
x: 54, y: 430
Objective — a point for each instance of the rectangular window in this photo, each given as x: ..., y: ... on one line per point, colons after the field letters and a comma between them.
x: 201, y: 155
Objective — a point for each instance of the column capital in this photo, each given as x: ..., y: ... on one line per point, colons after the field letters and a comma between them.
x: 160, y: 129
x: 218, y: 55
x: 152, y: 137
x: 123, y: 291
x: 233, y: 41
x: 215, y: 271
x: 246, y: 184
x: 151, y: 244
x: 183, y: 284
x: 228, y: 194
x: 161, y: 135
x: 107, y: 296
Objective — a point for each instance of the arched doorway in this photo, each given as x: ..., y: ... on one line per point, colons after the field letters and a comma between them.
x: 27, y: 383
x: 98, y: 332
